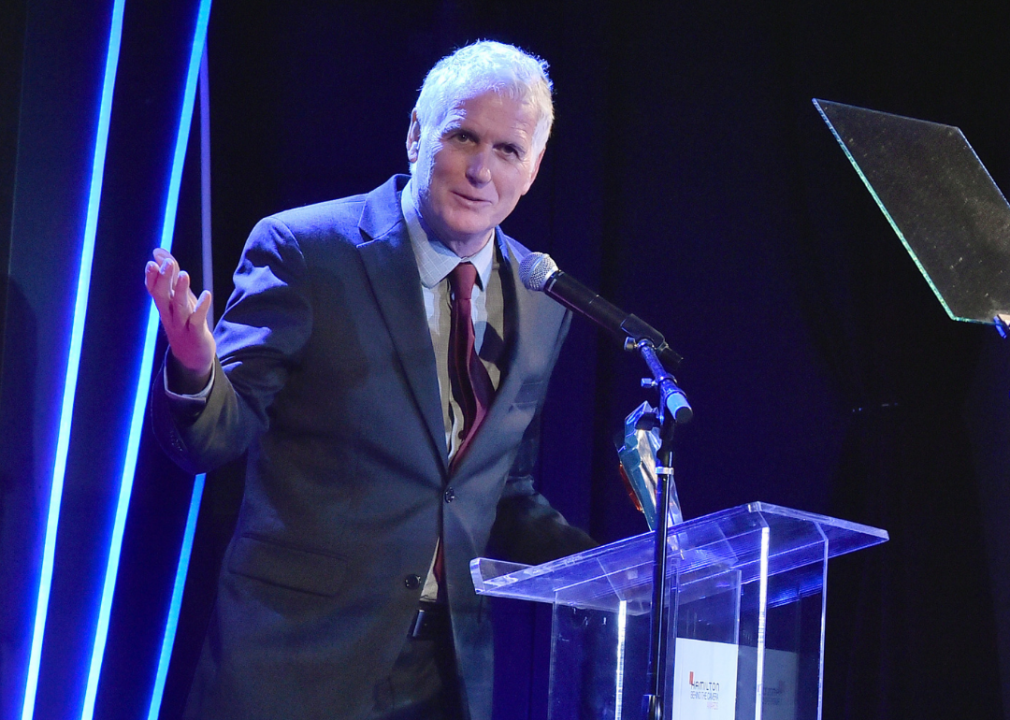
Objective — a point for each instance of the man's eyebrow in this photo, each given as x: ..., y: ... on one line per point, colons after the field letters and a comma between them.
x: 454, y: 125
x: 519, y: 149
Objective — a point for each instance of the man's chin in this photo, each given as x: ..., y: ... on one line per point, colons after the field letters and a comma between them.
x: 467, y: 230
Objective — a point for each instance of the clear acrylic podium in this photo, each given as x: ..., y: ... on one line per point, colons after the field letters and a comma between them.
x: 744, y: 616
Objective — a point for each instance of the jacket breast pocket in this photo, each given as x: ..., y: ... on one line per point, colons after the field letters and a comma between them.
x: 290, y: 567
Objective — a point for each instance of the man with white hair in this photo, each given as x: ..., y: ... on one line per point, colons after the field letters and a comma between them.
x: 384, y: 367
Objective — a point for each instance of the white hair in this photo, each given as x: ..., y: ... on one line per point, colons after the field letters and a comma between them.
x: 488, y: 66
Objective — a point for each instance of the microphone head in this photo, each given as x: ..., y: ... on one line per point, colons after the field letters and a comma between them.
x: 536, y: 269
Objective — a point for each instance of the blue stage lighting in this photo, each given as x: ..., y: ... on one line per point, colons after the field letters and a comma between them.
x: 146, y: 366
x: 73, y: 358
x: 173, y: 611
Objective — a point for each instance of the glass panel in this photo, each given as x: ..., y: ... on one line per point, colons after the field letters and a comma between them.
x: 703, y: 547
x: 792, y: 656
x: 743, y: 616
x: 939, y: 199
x: 599, y: 662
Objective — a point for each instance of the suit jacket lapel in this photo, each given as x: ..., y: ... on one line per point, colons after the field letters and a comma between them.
x: 525, y: 336
x: 520, y: 325
x: 392, y: 271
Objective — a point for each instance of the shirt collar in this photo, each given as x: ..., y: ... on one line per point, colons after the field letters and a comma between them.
x: 434, y: 260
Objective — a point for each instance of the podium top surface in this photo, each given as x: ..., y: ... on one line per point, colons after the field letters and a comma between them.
x: 939, y: 199
x: 748, y: 540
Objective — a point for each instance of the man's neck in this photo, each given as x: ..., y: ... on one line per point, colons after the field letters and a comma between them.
x: 468, y: 248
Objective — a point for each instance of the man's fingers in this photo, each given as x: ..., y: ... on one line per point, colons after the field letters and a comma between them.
x: 181, y: 305
x: 169, y: 270
x: 151, y: 275
x: 159, y: 286
x: 170, y: 287
x: 203, y: 305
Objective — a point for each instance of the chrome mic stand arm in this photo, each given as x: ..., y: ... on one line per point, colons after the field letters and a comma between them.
x: 673, y: 409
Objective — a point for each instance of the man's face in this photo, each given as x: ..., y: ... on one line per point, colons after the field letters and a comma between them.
x: 473, y: 167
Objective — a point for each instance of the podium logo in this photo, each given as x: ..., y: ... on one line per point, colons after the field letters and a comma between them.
x: 706, y: 690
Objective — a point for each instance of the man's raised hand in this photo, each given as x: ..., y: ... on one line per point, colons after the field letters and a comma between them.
x: 184, y: 317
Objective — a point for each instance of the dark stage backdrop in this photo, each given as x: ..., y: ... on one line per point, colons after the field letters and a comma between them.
x: 691, y: 181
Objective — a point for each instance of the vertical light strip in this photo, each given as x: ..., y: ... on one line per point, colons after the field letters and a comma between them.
x: 182, y: 568
x: 622, y: 629
x: 759, y: 687
x: 205, y: 226
x: 74, y: 357
x: 174, y: 608
x: 146, y: 363
x: 824, y: 618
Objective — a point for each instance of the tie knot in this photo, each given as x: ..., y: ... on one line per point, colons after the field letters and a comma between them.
x: 461, y: 280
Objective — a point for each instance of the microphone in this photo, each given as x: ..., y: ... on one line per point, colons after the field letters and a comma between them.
x: 540, y: 273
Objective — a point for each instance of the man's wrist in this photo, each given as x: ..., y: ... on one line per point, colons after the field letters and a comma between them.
x: 183, y: 381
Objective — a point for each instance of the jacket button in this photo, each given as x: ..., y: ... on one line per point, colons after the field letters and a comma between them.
x: 449, y: 494
x: 412, y: 582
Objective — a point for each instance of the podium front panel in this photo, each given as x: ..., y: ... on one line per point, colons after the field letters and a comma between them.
x: 743, y: 616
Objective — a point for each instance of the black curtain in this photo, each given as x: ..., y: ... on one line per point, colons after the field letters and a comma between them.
x: 692, y: 182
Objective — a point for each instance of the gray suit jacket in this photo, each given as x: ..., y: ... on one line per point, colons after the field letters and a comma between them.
x: 327, y: 377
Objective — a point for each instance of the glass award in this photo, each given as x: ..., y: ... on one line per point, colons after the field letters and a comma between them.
x: 637, y: 449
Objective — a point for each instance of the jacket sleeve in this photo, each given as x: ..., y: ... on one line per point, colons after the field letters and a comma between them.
x: 259, y: 339
x: 527, y: 529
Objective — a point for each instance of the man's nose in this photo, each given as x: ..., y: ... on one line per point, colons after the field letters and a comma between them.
x: 478, y: 170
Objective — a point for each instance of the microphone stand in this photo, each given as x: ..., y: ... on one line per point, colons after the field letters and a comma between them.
x: 673, y: 409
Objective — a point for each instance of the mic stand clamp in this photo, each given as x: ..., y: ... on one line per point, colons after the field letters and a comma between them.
x: 1002, y: 324
x: 673, y: 409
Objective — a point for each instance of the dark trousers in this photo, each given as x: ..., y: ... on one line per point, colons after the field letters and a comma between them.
x: 423, y: 684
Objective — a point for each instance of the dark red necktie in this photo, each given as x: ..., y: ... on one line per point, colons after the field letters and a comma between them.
x: 467, y: 373
x: 467, y: 376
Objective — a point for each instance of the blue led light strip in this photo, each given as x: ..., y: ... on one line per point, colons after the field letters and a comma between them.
x: 173, y: 612
x: 172, y: 621
x: 146, y: 365
x: 74, y: 357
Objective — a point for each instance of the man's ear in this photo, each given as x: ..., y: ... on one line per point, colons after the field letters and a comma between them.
x: 413, y: 138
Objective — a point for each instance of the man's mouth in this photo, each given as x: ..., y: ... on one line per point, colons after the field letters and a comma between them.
x: 471, y: 199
